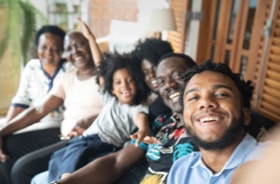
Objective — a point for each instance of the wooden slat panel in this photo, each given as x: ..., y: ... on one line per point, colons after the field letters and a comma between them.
x: 267, y: 113
x: 275, y: 84
x: 270, y: 107
x: 177, y: 39
x: 273, y: 93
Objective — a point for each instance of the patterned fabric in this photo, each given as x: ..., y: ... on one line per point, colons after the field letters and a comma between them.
x: 175, y: 143
x: 34, y: 86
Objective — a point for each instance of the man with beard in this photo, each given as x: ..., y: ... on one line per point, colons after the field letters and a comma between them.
x: 216, y: 106
x: 168, y: 128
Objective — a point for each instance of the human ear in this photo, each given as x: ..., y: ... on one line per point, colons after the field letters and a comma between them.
x: 247, y: 116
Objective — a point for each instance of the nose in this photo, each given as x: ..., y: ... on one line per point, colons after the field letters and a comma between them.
x: 169, y: 82
x: 74, y: 50
x: 208, y: 102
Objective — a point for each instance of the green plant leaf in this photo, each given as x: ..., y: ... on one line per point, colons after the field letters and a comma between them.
x: 20, y: 28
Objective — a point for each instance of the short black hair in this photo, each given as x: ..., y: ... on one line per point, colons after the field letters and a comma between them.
x: 113, y: 62
x: 53, y: 29
x: 188, y: 60
x: 245, y: 87
x: 151, y: 49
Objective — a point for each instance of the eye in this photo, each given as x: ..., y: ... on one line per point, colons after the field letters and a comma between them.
x: 42, y: 48
x: 145, y: 72
x: 55, y: 49
x: 79, y: 45
x: 221, y: 95
x: 176, y: 75
x: 117, y: 82
x: 192, y: 98
x: 160, y: 81
x: 130, y: 80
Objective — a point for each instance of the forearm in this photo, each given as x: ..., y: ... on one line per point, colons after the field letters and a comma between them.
x: 13, y: 112
x: 95, y: 50
x: 141, y: 121
x: 21, y: 121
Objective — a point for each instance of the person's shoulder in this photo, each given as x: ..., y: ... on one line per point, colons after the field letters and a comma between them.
x: 33, y: 63
x: 190, y: 158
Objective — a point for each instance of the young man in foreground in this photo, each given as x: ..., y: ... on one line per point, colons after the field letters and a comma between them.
x: 216, y: 106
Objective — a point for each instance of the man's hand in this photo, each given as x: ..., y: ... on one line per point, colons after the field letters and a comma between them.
x: 3, y: 157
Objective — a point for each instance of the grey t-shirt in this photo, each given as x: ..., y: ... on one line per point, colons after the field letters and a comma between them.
x: 115, y: 122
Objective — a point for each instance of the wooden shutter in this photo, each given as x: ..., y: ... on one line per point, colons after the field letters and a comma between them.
x: 266, y: 63
x: 177, y: 38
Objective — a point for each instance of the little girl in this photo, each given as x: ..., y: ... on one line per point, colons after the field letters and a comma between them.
x: 122, y: 93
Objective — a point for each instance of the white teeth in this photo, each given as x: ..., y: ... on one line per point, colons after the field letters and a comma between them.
x: 174, y: 95
x: 126, y: 93
x: 206, y: 119
x: 154, y: 82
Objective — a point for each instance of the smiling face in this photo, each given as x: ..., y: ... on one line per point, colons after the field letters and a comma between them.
x: 49, y: 49
x: 213, y: 112
x: 77, y: 49
x: 169, y: 72
x: 124, y: 87
x: 149, y: 71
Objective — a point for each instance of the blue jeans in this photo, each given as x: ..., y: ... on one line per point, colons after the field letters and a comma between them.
x: 41, y: 178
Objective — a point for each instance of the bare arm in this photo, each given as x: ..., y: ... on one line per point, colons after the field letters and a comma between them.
x: 106, y: 169
x: 28, y: 117
x: 13, y: 112
x: 141, y: 121
x: 94, y: 48
x: 81, y: 126
x: 31, y: 115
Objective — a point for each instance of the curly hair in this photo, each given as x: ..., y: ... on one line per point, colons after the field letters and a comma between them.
x: 245, y: 87
x: 151, y: 49
x: 114, y: 62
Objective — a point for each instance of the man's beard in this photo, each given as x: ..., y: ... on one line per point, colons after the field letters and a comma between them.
x: 228, y: 138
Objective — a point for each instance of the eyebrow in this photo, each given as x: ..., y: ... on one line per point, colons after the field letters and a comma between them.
x: 214, y: 87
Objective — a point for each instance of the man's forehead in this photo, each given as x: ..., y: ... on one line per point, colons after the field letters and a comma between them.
x: 169, y: 65
x: 210, y: 78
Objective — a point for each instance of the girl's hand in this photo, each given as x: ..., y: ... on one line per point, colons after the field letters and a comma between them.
x: 151, y: 140
x: 140, y: 135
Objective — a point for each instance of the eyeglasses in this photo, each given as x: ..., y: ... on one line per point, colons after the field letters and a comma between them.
x: 175, y: 76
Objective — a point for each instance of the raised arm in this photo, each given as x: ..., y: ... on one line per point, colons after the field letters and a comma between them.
x: 94, y: 48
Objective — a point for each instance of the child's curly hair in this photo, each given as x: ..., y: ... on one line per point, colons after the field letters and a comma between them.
x: 113, y: 62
